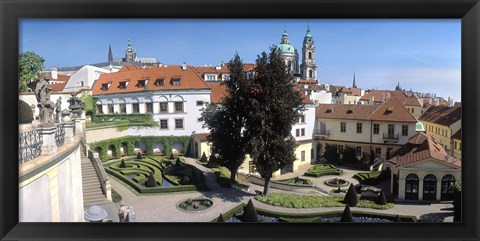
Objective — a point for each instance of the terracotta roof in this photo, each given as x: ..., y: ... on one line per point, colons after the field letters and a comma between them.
x: 129, y: 67
x: 390, y: 110
x: 202, y: 70
x: 353, y: 91
x: 458, y: 135
x: 218, y: 92
x: 201, y: 136
x: 421, y: 147
x: 305, y: 99
x: 399, y: 95
x: 189, y: 79
x: 57, y: 87
x: 442, y: 115
x: 304, y: 81
x: 60, y: 77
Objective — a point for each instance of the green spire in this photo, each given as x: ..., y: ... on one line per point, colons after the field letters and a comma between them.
x: 129, y: 48
x: 308, y: 36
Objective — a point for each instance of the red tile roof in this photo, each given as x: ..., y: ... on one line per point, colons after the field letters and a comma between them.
x: 189, y: 79
x: 201, y: 136
x: 421, y: 147
x: 442, y: 115
x: 218, y: 92
x: 399, y: 95
x: 60, y: 77
x: 57, y: 87
x: 202, y: 70
x: 129, y: 67
x: 390, y: 110
x: 353, y: 91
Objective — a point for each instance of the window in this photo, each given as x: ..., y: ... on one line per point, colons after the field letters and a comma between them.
x: 376, y: 129
x: 149, y: 107
x: 104, y: 87
x: 311, y: 153
x: 178, y: 106
x: 225, y: 76
x: 200, y: 119
x: 460, y: 144
x: 343, y: 127
x: 122, y: 85
x: 340, y: 149
x: 99, y: 109
x: 309, y: 55
x: 378, y: 151
x: 302, y: 156
x: 178, y: 123
x: 210, y: 77
x: 297, y: 132
x: 164, y: 124
x: 163, y: 107
x: 455, y: 144
x: 404, y: 130
x: 310, y: 74
x: 141, y: 83
x: 110, y: 108
x: 159, y: 82
x: 301, y: 119
x: 303, y: 132
x: 359, y: 127
x: 135, y: 108
x: 358, y: 150
x: 123, y: 108
x: 176, y: 82
x: 413, y: 110
x: 199, y: 102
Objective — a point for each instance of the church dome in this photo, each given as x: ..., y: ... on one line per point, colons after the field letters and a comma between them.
x: 285, y: 46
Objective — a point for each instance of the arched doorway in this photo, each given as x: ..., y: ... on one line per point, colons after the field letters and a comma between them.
x: 411, y: 187
x: 448, y: 184
x: 429, y: 187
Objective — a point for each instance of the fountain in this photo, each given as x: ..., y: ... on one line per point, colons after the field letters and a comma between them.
x: 195, y: 205
x: 337, y: 182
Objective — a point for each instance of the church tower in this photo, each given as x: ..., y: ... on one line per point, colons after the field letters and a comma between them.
x: 308, y: 67
x: 110, y: 55
x: 354, y: 85
x: 288, y: 53
x: 130, y: 53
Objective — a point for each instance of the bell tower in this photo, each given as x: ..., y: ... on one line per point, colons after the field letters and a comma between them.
x: 130, y: 53
x: 308, y: 67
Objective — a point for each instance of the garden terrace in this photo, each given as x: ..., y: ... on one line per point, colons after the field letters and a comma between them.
x: 323, y: 170
x: 169, y: 175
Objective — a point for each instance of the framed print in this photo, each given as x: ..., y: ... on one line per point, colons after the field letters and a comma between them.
x: 142, y: 120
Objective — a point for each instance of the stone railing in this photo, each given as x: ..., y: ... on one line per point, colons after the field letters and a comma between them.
x: 29, y: 145
x: 97, y: 164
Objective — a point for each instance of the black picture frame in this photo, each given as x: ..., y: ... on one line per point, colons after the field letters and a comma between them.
x: 11, y: 11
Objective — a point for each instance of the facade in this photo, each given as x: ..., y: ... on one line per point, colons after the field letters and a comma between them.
x: 372, y: 129
x: 442, y: 123
x: 424, y: 171
x: 84, y: 78
x: 173, y: 94
x: 347, y: 96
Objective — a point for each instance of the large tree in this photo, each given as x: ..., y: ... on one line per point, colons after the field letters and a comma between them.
x: 226, y: 121
x: 29, y: 66
x: 275, y: 107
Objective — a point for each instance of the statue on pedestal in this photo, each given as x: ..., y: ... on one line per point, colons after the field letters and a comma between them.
x: 44, y: 104
x: 58, y: 108
x: 76, y: 106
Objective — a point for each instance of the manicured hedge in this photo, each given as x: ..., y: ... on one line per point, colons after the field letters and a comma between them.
x: 323, y: 170
x: 372, y: 178
x: 232, y: 212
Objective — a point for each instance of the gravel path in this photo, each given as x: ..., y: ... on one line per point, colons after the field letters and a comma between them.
x: 162, y: 207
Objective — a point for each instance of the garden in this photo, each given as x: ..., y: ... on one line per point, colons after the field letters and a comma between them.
x: 156, y: 174
x: 323, y: 170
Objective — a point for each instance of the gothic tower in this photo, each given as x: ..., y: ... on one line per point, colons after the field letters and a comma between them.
x: 130, y: 53
x: 308, y: 67
x: 354, y: 85
x: 110, y: 55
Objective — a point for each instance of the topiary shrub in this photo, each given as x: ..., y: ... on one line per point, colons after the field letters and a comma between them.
x: 212, y: 161
x: 139, y: 156
x: 381, y: 199
x: 249, y: 213
x: 204, y: 158
x: 25, y: 114
x: 351, y: 197
x: 178, y: 162
x: 122, y: 164
x: 151, y: 181
x: 171, y: 157
x: 397, y: 219
x: 220, y: 219
x: 185, y: 180
x: 347, y: 215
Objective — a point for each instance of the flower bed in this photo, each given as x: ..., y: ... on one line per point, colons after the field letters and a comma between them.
x: 323, y: 170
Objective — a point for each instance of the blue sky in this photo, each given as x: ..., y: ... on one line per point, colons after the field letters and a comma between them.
x: 423, y: 55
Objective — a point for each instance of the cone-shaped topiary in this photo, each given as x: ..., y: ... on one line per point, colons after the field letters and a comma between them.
x: 351, y: 197
x: 171, y: 156
x: 347, y: 215
x: 151, y: 181
x: 212, y: 161
x: 397, y: 219
x: 178, y: 162
x: 249, y: 213
x: 122, y: 164
x: 220, y: 219
x: 139, y: 155
x: 381, y: 199
x: 204, y: 158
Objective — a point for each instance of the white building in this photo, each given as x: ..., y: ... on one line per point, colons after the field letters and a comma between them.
x: 84, y: 78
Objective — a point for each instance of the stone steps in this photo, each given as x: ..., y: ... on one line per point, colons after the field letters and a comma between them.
x: 92, y: 188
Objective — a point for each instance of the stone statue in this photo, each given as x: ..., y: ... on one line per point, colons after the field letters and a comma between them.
x: 76, y: 106
x: 58, y: 108
x: 44, y: 104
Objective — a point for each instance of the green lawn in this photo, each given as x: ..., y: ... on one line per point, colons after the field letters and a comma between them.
x: 323, y: 170
x: 310, y: 201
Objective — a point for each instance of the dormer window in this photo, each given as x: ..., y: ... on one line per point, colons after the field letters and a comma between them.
x: 123, y: 85
x: 350, y: 111
x: 105, y: 87
x: 210, y: 77
x: 160, y: 82
x: 225, y: 77
x: 389, y: 110
x: 141, y: 83
x: 176, y: 81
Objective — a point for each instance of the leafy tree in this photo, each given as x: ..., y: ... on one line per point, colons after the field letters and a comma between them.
x: 349, y: 155
x: 346, y: 215
x: 331, y: 154
x: 351, y: 197
x: 382, y: 200
x: 275, y: 107
x: 29, y: 66
x: 249, y: 213
x: 226, y: 121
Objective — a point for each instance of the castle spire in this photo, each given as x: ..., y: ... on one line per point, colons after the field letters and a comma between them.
x: 354, y: 84
x: 110, y: 55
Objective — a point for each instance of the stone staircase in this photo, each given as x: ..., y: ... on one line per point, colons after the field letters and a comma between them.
x: 92, y: 190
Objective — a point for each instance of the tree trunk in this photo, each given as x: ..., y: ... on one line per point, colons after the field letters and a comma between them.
x: 233, y: 175
x: 265, y: 186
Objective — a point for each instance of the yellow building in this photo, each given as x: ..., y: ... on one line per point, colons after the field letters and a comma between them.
x: 457, y: 144
x: 442, y: 123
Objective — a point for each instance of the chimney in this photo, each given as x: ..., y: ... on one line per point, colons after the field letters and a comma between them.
x: 383, y: 97
x: 54, y: 73
x: 184, y: 66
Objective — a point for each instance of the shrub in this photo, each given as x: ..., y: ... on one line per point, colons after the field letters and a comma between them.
x: 351, y: 197
x: 220, y: 219
x: 347, y: 215
x: 212, y: 161
x: 122, y: 164
x: 397, y: 219
x: 185, y: 180
x: 323, y: 170
x: 116, y: 197
x: 203, y: 159
x: 171, y: 156
x: 372, y: 178
x: 249, y: 213
x: 381, y: 199
x: 139, y: 156
x: 331, y: 154
x: 349, y: 155
x: 25, y: 114
x: 151, y: 181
